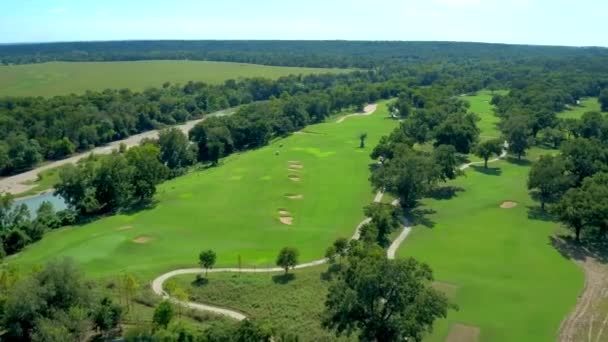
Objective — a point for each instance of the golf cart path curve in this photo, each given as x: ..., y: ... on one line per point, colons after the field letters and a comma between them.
x: 157, y: 283
x: 367, y: 110
x: 15, y: 184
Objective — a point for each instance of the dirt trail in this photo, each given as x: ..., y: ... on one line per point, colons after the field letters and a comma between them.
x: 15, y: 184
x: 368, y: 110
x: 588, y: 320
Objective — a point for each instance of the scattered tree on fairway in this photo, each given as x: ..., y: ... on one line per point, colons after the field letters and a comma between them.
x: 459, y: 130
x: 385, y: 219
x: 287, y: 258
x: 487, y: 149
x: 445, y: 162
x: 362, y: 138
x: 384, y: 300
x: 207, y: 260
x: 518, y: 135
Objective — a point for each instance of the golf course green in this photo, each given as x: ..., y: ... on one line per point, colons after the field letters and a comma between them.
x: 62, y: 78
x: 480, y: 105
x: 236, y: 208
x: 589, y: 104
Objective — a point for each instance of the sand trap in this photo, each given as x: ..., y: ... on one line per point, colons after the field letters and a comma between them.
x: 294, y: 178
x: 296, y: 166
x: 508, y: 205
x: 294, y: 196
x: 463, y: 333
x: 293, y: 170
x: 142, y: 239
x: 285, y: 217
x: 124, y: 228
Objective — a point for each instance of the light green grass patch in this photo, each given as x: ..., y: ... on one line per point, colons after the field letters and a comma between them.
x: 236, y: 218
x: 62, y: 78
x: 501, y: 260
x: 589, y: 104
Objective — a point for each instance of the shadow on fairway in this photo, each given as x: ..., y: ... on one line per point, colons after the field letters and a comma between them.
x: 594, y: 246
x: 419, y: 216
x: 520, y: 162
x: 200, y: 281
x: 445, y: 192
x: 283, y: 278
x: 490, y: 171
x: 535, y: 212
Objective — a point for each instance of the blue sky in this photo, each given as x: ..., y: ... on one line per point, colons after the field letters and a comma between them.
x: 550, y: 22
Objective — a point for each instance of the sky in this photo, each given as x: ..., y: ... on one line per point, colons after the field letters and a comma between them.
x: 543, y: 22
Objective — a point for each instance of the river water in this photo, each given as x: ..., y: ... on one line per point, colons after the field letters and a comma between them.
x: 34, y: 202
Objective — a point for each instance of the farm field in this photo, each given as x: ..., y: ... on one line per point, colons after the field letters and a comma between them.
x: 589, y: 104
x: 235, y: 208
x: 62, y: 78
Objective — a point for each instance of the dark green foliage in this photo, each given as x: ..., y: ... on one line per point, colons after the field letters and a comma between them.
x: 584, y: 157
x: 287, y: 258
x: 548, y: 179
x: 384, y: 300
x: 384, y: 220
x: 175, y: 150
x: 487, y: 149
x: 148, y: 171
x: 603, y: 99
x: 107, y: 315
x: 458, y: 130
x: 163, y: 314
x: 518, y: 134
x: 207, y: 260
x: 445, y: 161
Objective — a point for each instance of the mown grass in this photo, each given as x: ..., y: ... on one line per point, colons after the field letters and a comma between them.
x: 294, y: 306
x: 480, y: 105
x: 589, y: 104
x: 508, y: 279
x: 62, y: 78
x: 233, y: 209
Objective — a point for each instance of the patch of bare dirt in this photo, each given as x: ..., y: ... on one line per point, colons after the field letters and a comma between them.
x: 124, y: 228
x: 142, y: 239
x: 294, y: 196
x: 463, y: 333
x: 284, y: 213
x: 294, y: 178
x: 508, y: 205
x: 285, y: 217
x: 296, y: 166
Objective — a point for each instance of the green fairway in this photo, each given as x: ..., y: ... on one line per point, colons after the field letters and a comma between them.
x: 589, y: 104
x: 480, y: 105
x: 499, y: 265
x: 61, y: 78
x: 234, y: 208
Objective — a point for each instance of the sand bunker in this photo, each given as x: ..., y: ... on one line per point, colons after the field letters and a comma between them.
x: 463, y: 333
x: 296, y: 166
x: 294, y: 196
x: 142, y: 239
x: 124, y: 228
x: 508, y: 205
x: 294, y: 178
x: 294, y: 162
x: 285, y: 217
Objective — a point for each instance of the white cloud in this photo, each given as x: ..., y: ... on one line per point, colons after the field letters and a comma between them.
x: 59, y: 10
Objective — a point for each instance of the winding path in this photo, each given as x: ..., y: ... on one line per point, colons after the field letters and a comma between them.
x: 367, y: 110
x: 157, y: 283
x: 18, y: 183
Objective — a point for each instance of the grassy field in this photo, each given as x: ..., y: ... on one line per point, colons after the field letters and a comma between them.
x: 293, y: 307
x: 60, y: 78
x: 234, y: 208
x: 589, y: 104
x: 480, y: 105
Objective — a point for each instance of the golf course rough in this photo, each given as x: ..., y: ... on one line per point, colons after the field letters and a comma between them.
x: 233, y: 208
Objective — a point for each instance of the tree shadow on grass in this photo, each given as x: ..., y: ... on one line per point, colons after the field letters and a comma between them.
x: 569, y: 248
x: 445, y: 192
x: 419, y: 216
x: 332, y: 271
x: 535, y: 212
x: 200, y: 281
x: 520, y: 162
x: 490, y: 171
x: 283, y: 278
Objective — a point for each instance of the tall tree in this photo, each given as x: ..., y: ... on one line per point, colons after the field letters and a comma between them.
x: 487, y: 149
x: 549, y: 179
x: 518, y: 135
x: 287, y: 258
x: 175, y: 151
x: 207, y: 260
x: 384, y: 300
x: 148, y: 170
x: 459, y: 130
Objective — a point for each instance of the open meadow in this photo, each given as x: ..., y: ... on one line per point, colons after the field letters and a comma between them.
x: 62, y: 78
x: 302, y: 191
